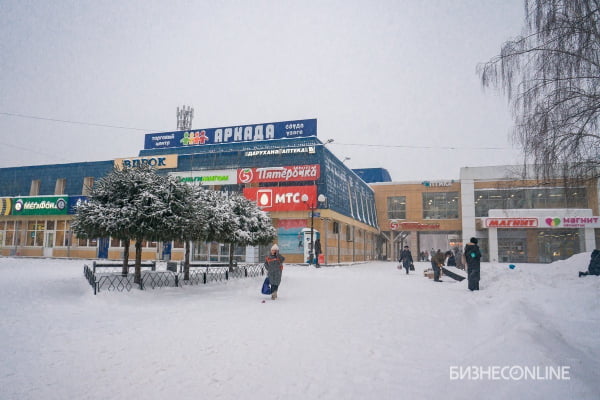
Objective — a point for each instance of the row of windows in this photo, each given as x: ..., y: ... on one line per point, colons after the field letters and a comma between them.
x: 51, y: 233
x: 60, y: 186
x: 442, y: 205
x: 529, y: 198
x: 445, y: 205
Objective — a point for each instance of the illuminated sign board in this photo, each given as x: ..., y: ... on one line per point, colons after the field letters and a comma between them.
x: 294, y: 173
x: 208, y: 178
x: 51, y: 205
x: 407, y: 226
x: 511, y: 222
x: 284, y: 198
x: 571, y: 222
x: 277, y: 152
x: 158, y: 162
x: 232, y: 134
x: 437, y: 183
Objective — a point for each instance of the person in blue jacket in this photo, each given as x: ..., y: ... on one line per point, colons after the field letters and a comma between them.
x: 274, y: 267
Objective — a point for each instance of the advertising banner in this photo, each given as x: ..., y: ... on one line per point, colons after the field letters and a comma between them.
x: 571, y: 222
x: 232, y: 134
x: 293, y: 173
x: 544, y: 222
x: 208, y: 178
x: 5, y: 205
x: 285, y: 198
x: 289, y: 235
x: 158, y: 162
x: 49, y: 205
x: 511, y: 222
x: 74, y: 202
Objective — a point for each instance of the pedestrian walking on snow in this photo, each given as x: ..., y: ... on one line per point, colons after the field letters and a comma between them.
x: 406, y: 258
x: 274, y: 267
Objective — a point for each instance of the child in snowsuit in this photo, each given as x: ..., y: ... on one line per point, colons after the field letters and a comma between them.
x: 274, y: 266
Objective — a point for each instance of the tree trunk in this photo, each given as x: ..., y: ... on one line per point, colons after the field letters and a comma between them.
x: 231, y: 251
x: 186, y: 261
x: 125, y: 269
x: 138, y: 261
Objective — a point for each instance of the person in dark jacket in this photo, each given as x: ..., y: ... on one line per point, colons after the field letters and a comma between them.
x: 274, y: 267
x: 317, y: 252
x: 594, y: 266
x: 406, y: 258
x: 472, y: 256
x: 437, y: 262
x: 450, y: 259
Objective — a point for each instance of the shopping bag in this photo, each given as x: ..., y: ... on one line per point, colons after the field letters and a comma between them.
x: 266, y: 287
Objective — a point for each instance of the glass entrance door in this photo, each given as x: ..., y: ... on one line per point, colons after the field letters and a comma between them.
x: 49, y: 244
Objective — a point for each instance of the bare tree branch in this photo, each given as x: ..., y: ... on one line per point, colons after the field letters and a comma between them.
x: 551, y: 76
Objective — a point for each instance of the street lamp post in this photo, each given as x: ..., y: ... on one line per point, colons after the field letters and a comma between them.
x: 321, y: 198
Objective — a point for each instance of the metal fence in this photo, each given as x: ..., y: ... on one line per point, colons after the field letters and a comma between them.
x: 111, y: 277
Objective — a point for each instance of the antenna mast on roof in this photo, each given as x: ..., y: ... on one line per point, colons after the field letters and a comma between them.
x: 184, y: 118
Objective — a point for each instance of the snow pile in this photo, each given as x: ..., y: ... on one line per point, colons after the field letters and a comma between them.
x: 353, y: 332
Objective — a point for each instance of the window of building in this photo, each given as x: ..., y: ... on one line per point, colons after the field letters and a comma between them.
x: 35, y: 233
x: 10, y: 234
x: 87, y: 242
x: 526, y: 198
x: 62, y: 233
x: 349, y: 233
x: 88, y: 184
x: 441, y: 205
x: 34, y: 189
x: 59, y: 187
x: 396, y: 207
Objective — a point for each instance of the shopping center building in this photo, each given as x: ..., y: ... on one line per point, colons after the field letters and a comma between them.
x: 358, y: 215
x: 282, y: 166
x: 514, y: 219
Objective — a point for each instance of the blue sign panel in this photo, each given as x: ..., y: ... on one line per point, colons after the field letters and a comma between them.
x: 232, y: 134
x: 74, y: 201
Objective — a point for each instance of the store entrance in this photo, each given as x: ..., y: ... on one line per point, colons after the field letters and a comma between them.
x: 557, y: 244
x: 49, y: 244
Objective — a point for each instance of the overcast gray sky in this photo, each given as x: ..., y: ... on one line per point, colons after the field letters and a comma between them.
x: 394, y: 83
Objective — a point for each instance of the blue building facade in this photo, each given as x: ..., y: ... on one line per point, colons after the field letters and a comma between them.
x: 284, y: 160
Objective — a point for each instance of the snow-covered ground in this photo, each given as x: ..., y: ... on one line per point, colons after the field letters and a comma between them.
x: 366, y: 331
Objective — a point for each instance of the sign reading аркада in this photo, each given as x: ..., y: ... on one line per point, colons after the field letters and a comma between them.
x: 232, y: 134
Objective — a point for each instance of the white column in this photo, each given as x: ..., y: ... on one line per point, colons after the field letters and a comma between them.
x: 493, y: 244
x: 467, y: 201
x: 590, y: 239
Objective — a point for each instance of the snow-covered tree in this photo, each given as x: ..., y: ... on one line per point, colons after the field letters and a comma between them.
x: 251, y: 225
x: 134, y: 204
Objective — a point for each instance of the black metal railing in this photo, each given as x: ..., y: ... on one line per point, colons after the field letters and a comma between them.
x: 154, y: 279
x: 109, y: 277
